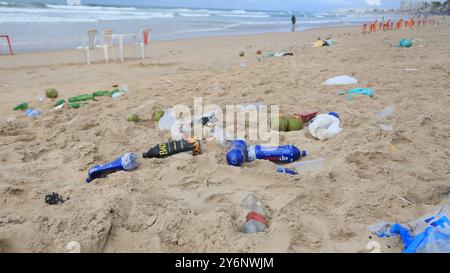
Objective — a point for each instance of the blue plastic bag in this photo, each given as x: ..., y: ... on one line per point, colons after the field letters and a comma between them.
x: 361, y: 91
x: 405, y: 43
x: 429, y: 234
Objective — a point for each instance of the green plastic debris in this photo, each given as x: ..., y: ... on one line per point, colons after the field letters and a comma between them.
x: 100, y: 93
x: 22, y: 106
x: 74, y: 105
x: 59, y: 102
x: 84, y: 97
x: 112, y: 92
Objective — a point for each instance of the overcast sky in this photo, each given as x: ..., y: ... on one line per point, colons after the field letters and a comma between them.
x: 298, y: 5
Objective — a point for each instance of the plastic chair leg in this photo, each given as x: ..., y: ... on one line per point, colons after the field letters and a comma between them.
x: 113, y: 53
x: 143, y: 52
x: 9, y: 44
x: 88, y: 56
x: 105, y: 52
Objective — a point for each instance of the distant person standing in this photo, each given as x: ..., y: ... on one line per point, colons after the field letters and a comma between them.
x: 294, y: 21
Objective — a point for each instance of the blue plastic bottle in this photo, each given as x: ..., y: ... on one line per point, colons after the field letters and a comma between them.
x: 237, y: 154
x: 283, y: 154
x: 128, y: 162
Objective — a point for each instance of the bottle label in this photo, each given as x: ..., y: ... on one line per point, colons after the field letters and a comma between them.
x: 257, y: 217
x: 174, y: 147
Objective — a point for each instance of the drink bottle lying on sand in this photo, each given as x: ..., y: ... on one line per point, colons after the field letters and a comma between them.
x: 172, y: 148
x: 128, y: 162
x: 282, y: 154
x: 237, y: 154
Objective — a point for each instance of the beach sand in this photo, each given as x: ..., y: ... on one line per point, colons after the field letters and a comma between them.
x: 192, y: 204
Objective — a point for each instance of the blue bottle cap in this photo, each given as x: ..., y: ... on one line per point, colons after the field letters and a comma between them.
x: 334, y: 114
x: 304, y: 153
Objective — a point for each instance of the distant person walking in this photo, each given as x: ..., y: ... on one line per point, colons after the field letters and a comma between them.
x: 294, y: 21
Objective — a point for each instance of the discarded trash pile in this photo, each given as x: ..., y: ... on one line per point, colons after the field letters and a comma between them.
x: 325, y: 42
x: 72, y: 103
x: 430, y: 234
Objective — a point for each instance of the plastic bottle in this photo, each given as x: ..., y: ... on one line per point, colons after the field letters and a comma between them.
x: 237, y: 154
x: 128, y: 162
x: 172, y: 148
x: 283, y: 154
x: 256, y: 216
x: 22, y: 106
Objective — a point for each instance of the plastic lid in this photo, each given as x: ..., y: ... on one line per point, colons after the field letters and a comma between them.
x: 334, y: 114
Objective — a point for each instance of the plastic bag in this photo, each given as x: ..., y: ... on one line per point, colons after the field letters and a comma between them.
x: 340, y: 80
x: 167, y: 120
x: 324, y: 127
x: 429, y: 234
x: 386, y: 112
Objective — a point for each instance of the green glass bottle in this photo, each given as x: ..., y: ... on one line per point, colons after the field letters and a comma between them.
x: 22, y: 106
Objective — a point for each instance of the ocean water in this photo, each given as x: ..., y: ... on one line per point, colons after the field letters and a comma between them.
x: 41, y: 26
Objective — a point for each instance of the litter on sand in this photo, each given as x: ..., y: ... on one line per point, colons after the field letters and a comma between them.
x: 386, y: 127
x: 430, y: 234
x: 357, y: 91
x: 278, y: 54
x: 128, y: 162
x: 325, y: 126
x: 387, y: 112
x: 340, y: 80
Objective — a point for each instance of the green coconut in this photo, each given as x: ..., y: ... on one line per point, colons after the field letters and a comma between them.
x: 51, y: 93
x: 157, y: 115
x: 133, y: 118
x: 295, y: 124
x: 280, y: 124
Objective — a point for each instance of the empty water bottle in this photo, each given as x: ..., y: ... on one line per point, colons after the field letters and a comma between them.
x: 128, y: 162
x: 283, y: 154
x: 256, y: 216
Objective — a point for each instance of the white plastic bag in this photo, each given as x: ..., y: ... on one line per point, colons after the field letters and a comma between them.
x: 324, y: 127
x: 340, y: 80
x: 167, y: 120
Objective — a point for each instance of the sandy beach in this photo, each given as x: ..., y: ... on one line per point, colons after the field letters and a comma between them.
x: 192, y: 204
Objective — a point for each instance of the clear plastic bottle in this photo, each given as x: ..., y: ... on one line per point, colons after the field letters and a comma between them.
x: 256, y: 216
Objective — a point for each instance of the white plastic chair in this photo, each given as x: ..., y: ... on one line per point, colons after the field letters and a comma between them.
x: 142, y: 40
x: 89, y: 40
x: 106, y: 44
